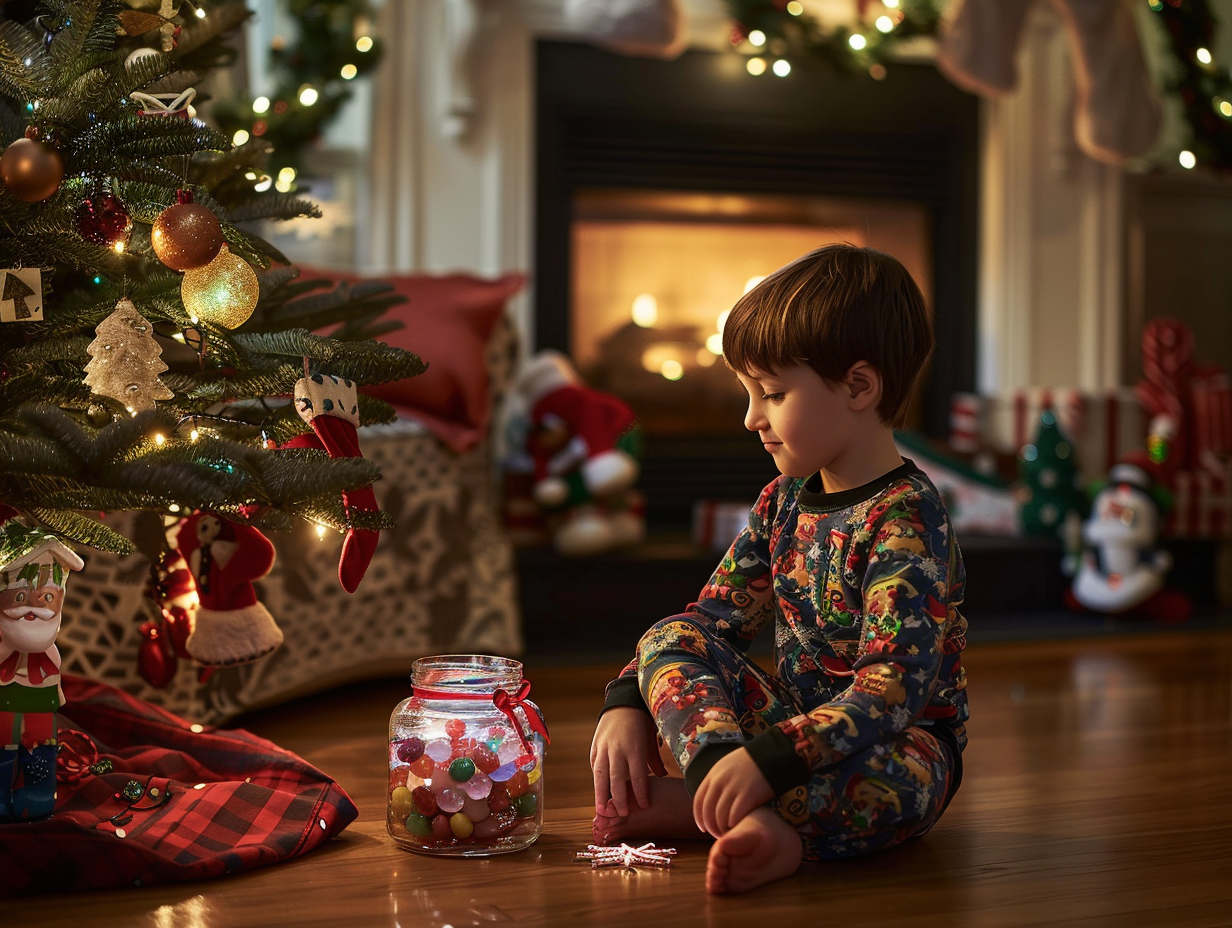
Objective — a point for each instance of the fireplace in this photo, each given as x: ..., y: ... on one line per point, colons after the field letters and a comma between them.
x: 664, y: 188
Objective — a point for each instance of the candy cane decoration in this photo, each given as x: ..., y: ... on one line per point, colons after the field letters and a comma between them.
x: 627, y: 856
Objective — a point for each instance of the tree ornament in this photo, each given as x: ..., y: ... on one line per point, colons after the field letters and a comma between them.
x: 231, y: 626
x: 104, y: 221
x: 166, y: 104
x: 223, y: 292
x: 126, y: 361
x: 31, y: 170
x: 186, y: 235
x: 156, y: 661
x: 21, y: 295
x: 329, y: 404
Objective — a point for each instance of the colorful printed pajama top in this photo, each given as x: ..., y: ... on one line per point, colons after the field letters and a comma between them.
x: 863, y: 587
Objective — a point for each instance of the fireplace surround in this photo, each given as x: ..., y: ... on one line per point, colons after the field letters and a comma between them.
x: 701, y: 123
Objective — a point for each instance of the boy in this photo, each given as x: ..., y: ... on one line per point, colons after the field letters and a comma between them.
x: 854, y: 742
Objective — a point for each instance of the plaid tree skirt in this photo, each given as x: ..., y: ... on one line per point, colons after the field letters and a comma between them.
x: 205, y: 803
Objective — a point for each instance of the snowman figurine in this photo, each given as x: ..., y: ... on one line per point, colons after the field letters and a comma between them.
x: 1121, y: 568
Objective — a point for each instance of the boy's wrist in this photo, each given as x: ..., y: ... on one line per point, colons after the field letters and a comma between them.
x: 623, y: 691
x: 776, y: 758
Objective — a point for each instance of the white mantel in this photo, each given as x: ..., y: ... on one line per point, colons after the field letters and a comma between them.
x: 449, y: 182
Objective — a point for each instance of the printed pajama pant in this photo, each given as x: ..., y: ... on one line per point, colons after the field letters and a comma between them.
x: 703, y: 691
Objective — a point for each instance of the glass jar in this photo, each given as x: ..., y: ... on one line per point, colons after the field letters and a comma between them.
x: 466, y: 759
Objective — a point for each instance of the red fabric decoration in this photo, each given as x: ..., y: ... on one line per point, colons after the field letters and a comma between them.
x: 259, y: 804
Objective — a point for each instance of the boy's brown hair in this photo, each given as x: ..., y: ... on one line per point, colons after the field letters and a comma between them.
x: 829, y: 309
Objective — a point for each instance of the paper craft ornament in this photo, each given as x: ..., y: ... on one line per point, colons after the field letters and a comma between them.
x: 126, y: 361
x: 230, y: 625
x: 21, y: 295
x: 329, y: 404
x: 1117, y: 109
x: 34, y: 570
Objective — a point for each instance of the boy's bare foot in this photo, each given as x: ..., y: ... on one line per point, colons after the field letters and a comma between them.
x: 670, y: 815
x: 760, y: 848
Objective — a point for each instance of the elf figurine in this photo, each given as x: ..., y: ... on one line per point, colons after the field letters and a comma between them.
x: 230, y: 626
x: 1122, y: 570
x: 34, y: 569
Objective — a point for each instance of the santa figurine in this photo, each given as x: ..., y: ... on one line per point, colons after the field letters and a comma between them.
x: 34, y: 570
x: 231, y: 626
x: 1121, y: 569
x: 577, y: 439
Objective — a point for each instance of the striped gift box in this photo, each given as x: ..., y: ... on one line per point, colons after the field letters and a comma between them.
x: 1202, y: 502
x: 1212, y: 416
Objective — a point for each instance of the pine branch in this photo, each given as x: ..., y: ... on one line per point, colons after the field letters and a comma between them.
x: 370, y: 363
x: 82, y: 530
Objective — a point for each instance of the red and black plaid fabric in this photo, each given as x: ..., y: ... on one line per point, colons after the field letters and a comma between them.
x: 236, y: 802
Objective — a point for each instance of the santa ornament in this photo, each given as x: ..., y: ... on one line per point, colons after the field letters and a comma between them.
x: 230, y: 625
x: 34, y: 570
x: 1117, y: 109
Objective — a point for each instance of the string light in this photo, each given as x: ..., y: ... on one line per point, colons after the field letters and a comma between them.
x: 1203, y: 55
x: 645, y: 310
x: 672, y: 369
x: 261, y: 105
x: 160, y: 439
x: 857, y: 41
x: 241, y: 136
x: 1225, y: 108
x: 795, y: 8
x: 348, y: 72
x: 308, y: 95
x: 884, y: 24
x: 364, y: 43
x: 757, y: 38
x: 756, y: 66
x: 782, y: 67
x: 1188, y: 160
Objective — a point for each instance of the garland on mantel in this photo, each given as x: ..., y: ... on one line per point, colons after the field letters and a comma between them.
x: 773, y: 32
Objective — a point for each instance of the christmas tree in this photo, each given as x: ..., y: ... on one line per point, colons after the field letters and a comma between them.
x: 150, y: 340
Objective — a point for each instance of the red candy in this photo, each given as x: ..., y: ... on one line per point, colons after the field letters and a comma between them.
x: 423, y: 767
x: 441, y: 827
x: 425, y: 802
x: 455, y: 728
x: 485, y: 758
x: 498, y: 799
x: 518, y: 783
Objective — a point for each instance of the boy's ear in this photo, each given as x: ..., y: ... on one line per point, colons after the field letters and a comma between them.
x: 863, y: 384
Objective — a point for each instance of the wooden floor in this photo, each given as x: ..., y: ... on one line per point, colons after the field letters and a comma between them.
x: 1098, y: 791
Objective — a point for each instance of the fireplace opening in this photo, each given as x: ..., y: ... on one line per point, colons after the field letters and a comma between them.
x: 664, y: 187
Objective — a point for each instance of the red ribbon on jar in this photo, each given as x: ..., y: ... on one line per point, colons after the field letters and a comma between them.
x: 506, y: 703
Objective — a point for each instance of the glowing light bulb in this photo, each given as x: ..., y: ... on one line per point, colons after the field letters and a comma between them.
x: 645, y: 310
x: 858, y: 42
x: 308, y: 95
x: 672, y: 370
x: 174, y: 507
x: 890, y: 4
x: 782, y: 67
x: 160, y: 439
x: 118, y: 247
x: 884, y: 24
x: 241, y: 136
x: 194, y: 435
x: 749, y: 285
x: 1187, y: 159
x: 714, y: 344
x: 349, y: 71
x: 263, y: 184
x: 320, y: 531
x: 364, y: 43
x: 261, y: 105
x: 757, y: 38
x: 1225, y: 108
x: 756, y: 66
x: 795, y: 8
x: 1203, y: 55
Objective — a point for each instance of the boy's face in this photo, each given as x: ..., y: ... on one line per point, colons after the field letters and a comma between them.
x: 803, y: 421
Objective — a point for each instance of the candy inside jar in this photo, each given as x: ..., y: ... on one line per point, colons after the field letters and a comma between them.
x: 466, y: 754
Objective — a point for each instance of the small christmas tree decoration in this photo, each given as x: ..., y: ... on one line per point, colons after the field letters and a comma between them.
x: 223, y: 292
x: 329, y: 404
x: 21, y: 295
x: 1050, y: 480
x: 34, y: 570
x: 126, y: 361
x: 103, y: 220
x: 31, y: 170
x: 230, y: 626
x: 186, y: 235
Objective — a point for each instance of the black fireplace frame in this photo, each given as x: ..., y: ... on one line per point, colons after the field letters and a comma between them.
x: 700, y: 122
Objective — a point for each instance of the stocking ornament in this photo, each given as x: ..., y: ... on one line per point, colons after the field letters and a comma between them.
x: 1117, y: 110
x: 330, y: 406
x: 650, y: 28
x: 231, y: 626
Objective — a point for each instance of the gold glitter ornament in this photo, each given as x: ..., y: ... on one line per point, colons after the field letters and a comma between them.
x: 126, y: 361
x: 223, y: 292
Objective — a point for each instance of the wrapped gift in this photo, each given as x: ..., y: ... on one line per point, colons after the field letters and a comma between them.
x: 1201, y: 501
x: 1102, y: 424
x: 1212, y: 415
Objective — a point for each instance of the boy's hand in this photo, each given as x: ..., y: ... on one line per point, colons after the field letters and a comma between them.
x: 733, y: 788
x: 623, y: 751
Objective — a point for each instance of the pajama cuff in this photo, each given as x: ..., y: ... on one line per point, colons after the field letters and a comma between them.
x: 776, y: 757
x: 623, y: 691
x: 704, y: 759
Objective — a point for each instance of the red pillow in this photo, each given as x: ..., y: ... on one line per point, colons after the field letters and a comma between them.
x: 447, y: 321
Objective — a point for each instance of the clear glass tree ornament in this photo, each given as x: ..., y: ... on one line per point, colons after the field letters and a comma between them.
x: 466, y: 753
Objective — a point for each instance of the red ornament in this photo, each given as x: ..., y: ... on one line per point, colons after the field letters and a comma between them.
x: 156, y: 661
x: 103, y: 220
x: 186, y: 235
